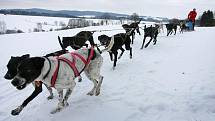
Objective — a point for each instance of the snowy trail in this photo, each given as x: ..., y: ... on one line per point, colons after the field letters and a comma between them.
x: 171, y: 81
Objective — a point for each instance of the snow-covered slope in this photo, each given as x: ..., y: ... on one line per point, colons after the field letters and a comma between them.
x: 171, y: 81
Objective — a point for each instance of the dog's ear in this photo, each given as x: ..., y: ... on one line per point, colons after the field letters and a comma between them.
x: 38, y: 62
x: 26, y: 56
x: 11, y: 57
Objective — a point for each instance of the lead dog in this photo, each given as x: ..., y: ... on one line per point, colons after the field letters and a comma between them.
x: 60, y: 72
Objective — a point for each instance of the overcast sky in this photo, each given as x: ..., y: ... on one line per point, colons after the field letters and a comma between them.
x: 162, y: 8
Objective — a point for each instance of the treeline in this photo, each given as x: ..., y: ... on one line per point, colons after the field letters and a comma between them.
x: 20, y: 12
x: 106, y: 16
x: 207, y: 19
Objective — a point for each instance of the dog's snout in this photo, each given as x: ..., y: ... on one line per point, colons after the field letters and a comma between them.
x: 15, y: 82
x: 7, y: 76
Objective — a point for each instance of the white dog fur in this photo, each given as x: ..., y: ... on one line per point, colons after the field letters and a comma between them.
x: 66, y: 76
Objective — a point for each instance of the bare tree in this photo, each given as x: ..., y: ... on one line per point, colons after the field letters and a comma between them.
x: 2, y: 27
x: 55, y: 23
x: 39, y: 27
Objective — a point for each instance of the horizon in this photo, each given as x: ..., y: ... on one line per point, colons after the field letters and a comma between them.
x: 78, y: 10
x: 168, y: 9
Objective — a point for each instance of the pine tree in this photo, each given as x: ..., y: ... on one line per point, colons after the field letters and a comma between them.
x: 207, y: 19
x: 135, y: 17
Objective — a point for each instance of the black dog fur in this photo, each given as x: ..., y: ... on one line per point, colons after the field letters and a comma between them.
x: 119, y: 40
x: 183, y: 26
x: 131, y: 28
x: 170, y: 28
x: 150, y: 32
x: 79, y: 40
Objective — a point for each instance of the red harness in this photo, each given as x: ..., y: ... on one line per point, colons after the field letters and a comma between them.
x: 71, y: 64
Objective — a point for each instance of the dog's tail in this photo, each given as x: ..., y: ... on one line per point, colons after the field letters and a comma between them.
x: 61, y: 44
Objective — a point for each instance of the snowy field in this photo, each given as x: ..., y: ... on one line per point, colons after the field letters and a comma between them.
x: 171, y: 81
x: 28, y: 23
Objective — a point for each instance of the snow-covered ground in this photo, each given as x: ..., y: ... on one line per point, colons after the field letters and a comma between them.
x: 28, y: 23
x: 171, y: 81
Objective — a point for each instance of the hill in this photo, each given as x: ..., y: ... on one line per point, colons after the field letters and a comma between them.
x: 73, y: 14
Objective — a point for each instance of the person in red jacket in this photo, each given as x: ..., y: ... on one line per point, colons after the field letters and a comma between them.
x: 192, y: 16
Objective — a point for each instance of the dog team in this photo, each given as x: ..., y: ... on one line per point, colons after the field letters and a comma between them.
x: 60, y: 69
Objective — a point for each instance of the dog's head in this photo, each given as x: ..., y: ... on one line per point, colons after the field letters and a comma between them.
x: 67, y: 41
x: 13, y: 64
x: 104, y: 40
x: 27, y: 71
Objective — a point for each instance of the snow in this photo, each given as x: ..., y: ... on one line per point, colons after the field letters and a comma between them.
x: 28, y: 23
x: 171, y: 81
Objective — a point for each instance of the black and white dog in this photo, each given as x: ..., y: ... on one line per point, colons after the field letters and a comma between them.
x: 60, y: 73
x: 12, y: 72
x: 112, y: 44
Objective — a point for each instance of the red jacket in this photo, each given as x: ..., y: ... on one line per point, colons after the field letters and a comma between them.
x: 192, y: 16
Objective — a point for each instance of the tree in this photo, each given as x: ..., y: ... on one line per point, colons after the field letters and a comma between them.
x: 135, y: 17
x: 2, y: 27
x: 39, y: 27
x: 207, y: 19
x: 106, y: 17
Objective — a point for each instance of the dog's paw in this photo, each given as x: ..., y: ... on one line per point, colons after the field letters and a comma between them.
x: 16, y: 111
x: 66, y: 104
x: 114, y: 68
x: 58, y: 109
x: 50, y: 97
x: 79, y: 79
x: 99, y: 87
x: 119, y: 56
x: 90, y: 93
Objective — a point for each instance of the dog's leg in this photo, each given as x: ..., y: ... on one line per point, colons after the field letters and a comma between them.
x: 111, y: 56
x: 60, y: 104
x: 148, y: 42
x: 99, y: 85
x: 143, y: 42
x: 89, y: 74
x: 171, y: 32
x: 121, y: 52
x: 130, y: 52
x: 38, y: 89
x: 155, y: 38
x: 50, y: 91
x: 67, y: 95
x: 168, y: 32
x: 115, y: 59
x: 93, y: 73
x: 138, y: 31
x: 95, y: 82
x: 133, y: 37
